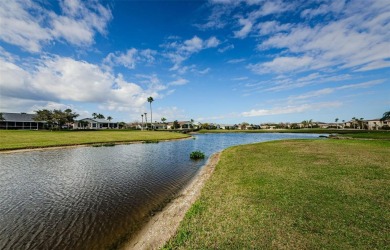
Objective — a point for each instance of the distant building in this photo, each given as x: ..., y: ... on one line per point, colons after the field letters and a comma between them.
x: 91, y: 123
x: 20, y: 121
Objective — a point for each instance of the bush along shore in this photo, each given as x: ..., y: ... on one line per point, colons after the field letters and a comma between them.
x: 295, y: 194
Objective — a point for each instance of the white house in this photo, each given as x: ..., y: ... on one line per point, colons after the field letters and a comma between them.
x: 91, y: 123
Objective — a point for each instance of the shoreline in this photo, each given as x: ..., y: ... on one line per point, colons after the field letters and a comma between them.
x: 164, y: 224
x: 21, y: 150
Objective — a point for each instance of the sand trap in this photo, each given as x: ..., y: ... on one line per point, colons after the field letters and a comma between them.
x: 162, y: 226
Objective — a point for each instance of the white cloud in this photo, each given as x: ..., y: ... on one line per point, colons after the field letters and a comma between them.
x: 61, y: 79
x: 226, y: 48
x: 359, y: 36
x: 130, y: 58
x: 291, y: 109
x: 178, y: 52
x: 180, y: 81
x: 31, y: 26
x: 238, y: 60
x: 283, y: 64
x: 271, y: 27
x: 245, y: 30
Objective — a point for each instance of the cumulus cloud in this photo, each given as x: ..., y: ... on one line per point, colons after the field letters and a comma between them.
x: 31, y: 26
x: 56, y: 79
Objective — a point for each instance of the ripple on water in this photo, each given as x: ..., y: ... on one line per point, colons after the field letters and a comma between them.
x: 87, y: 198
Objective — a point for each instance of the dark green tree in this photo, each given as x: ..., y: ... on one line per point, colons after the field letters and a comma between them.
x: 386, y: 116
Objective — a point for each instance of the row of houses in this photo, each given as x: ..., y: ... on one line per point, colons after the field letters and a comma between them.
x: 26, y: 121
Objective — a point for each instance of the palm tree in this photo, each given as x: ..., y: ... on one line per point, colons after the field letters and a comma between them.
x: 163, y: 120
x: 146, y: 121
x: 94, y: 115
x: 310, y: 122
x: 109, y: 118
x: 361, y: 123
x: 385, y: 116
x: 336, y: 120
x: 142, y: 124
x: 304, y: 123
x: 150, y: 100
x: 343, y: 123
x: 354, y: 121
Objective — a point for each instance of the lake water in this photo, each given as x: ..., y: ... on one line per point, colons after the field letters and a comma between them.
x: 94, y: 197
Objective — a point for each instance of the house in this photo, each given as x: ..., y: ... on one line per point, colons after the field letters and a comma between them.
x: 92, y: 123
x: 228, y: 126
x: 20, y: 121
x: 376, y: 124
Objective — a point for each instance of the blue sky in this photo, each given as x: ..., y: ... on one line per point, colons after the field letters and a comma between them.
x: 221, y: 61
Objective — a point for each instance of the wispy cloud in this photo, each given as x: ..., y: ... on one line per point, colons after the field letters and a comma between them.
x: 130, y: 58
x: 178, y: 51
x: 291, y: 109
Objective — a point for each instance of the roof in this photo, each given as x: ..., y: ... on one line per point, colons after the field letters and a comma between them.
x: 19, y: 117
x: 98, y: 120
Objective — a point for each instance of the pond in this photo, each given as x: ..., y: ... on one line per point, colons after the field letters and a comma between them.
x: 94, y: 197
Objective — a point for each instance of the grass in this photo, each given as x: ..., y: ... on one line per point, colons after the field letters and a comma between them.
x: 22, y: 139
x: 353, y: 133
x: 297, y: 194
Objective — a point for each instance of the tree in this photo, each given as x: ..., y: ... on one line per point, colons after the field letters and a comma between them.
x: 386, y: 116
x: 354, y: 122
x: 146, y: 121
x: 70, y: 116
x: 336, y: 121
x: 83, y: 124
x: 150, y: 100
x: 44, y: 115
x: 1, y: 117
x: 304, y: 123
x: 176, y: 124
x: 142, y: 124
x: 100, y: 116
x: 205, y: 126
x: 94, y: 115
x: 362, y: 123
x: 163, y: 120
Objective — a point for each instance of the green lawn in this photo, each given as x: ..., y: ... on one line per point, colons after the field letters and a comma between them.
x: 353, y: 133
x: 297, y: 194
x: 21, y: 139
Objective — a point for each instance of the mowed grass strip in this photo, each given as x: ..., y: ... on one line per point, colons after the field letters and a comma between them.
x: 19, y: 139
x: 298, y: 194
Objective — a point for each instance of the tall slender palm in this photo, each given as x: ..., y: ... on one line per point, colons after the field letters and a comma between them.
x: 150, y: 100
x: 146, y: 121
x: 336, y: 120
x: 142, y: 123
x: 109, y: 118
x: 163, y: 120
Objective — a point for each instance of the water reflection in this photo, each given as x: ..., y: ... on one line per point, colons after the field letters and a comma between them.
x: 88, y: 198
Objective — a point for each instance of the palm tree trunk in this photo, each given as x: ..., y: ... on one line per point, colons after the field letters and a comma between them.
x: 151, y: 115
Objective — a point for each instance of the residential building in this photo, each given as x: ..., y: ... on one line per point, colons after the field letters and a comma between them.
x: 92, y: 123
x: 20, y: 121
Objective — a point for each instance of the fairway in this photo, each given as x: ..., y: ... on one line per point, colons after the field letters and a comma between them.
x: 301, y: 194
x: 11, y: 139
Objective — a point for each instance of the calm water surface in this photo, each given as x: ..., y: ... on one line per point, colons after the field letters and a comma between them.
x: 91, y: 198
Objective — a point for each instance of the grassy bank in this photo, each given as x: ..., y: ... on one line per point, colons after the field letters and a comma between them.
x: 22, y: 139
x: 301, y: 194
x: 353, y: 133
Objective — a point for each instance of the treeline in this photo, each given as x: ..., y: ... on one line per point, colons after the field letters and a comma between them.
x: 56, y: 119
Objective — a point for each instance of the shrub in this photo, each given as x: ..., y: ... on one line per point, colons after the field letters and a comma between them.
x: 197, y: 155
